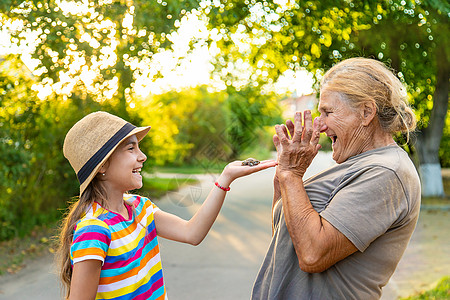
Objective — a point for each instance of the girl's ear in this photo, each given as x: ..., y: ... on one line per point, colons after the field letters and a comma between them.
x: 369, y: 112
x: 103, y: 167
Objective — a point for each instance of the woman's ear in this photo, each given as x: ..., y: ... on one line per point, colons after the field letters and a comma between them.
x: 369, y: 112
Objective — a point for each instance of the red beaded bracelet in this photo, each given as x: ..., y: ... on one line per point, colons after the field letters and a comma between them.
x: 221, y: 187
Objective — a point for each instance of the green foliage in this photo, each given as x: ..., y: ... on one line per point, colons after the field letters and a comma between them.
x: 15, y: 114
x: 441, y: 291
x: 89, y: 58
x: 182, y: 123
x: 185, y: 129
x: 93, y: 50
x: 410, y: 36
x: 36, y: 178
x: 197, y: 126
x: 85, y: 58
x: 249, y: 113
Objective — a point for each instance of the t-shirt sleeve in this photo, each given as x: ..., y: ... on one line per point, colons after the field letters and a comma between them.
x: 367, y: 205
x: 91, y: 240
x: 155, y: 208
x: 149, y: 205
x: 140, y: 203
x: 145, y: 210
x: 151, y: 209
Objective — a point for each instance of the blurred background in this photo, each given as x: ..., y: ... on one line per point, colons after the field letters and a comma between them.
x: 212, y: 78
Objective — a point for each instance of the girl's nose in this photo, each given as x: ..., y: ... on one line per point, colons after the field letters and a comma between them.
x: 142, y: 157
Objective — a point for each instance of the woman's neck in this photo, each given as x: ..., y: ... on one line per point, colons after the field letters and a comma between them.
x: 378, y: 137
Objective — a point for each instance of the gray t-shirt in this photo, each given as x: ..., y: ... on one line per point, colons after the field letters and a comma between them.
x: 374, y: 200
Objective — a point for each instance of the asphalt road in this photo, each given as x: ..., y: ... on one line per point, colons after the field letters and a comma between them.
x: 225, y: 264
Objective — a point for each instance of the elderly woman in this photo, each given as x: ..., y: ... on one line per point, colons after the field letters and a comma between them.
x: 340, y: 234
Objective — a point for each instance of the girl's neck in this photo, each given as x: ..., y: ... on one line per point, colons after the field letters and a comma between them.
x: 115, y: 202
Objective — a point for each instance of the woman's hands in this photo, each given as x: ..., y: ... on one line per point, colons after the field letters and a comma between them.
x: 296, y: 154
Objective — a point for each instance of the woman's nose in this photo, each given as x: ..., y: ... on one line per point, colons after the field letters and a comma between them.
x: 323, y: 126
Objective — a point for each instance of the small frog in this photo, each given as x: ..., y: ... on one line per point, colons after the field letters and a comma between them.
x: 250, y: 162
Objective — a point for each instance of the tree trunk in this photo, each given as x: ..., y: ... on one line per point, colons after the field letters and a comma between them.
x: 429, y: 139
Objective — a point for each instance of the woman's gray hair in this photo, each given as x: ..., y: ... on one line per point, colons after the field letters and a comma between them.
x: 361, y: 80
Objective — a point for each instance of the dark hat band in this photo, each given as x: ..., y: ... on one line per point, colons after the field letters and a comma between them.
x: 90, y: 165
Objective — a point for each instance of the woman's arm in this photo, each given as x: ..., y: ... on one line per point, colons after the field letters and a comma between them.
x: 276, y: 181
x: 317, y: 243
x: 85, y: 279
x: 194, y: 231
x: 276, y: 191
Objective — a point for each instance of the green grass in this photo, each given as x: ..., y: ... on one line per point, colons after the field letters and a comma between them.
x: 200, y: 168
x: 155, y: 187
x: 440, y: 292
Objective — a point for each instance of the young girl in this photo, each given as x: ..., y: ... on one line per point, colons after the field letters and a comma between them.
x: 108, y: 244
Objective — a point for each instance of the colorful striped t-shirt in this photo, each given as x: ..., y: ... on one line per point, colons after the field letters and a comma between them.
x: 128, y: 249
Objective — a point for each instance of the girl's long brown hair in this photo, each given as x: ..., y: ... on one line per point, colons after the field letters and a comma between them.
x: 94, y: 192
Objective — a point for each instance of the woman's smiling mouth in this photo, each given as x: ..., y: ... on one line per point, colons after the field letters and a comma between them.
x: 333, y: 138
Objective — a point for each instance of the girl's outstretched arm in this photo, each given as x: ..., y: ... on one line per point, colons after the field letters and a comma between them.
x: 194, y: 231
x: 85, y: 279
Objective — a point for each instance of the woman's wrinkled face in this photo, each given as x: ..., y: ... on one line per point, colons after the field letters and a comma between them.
x: 342, y: 124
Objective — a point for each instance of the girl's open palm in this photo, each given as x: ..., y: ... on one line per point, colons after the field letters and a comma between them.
x: 235, y: 169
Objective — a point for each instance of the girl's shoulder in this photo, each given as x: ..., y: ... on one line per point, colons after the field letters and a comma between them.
x: 139, y: 202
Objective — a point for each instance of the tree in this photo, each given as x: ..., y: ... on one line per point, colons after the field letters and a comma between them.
x: 90, y: 49
x: 31, y: 164
x: 87, y: 56
x: 14, y: 131
x: 411, y: 36
x: 207, y: 127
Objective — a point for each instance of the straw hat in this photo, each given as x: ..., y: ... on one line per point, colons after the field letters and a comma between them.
x: 91, y: 141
